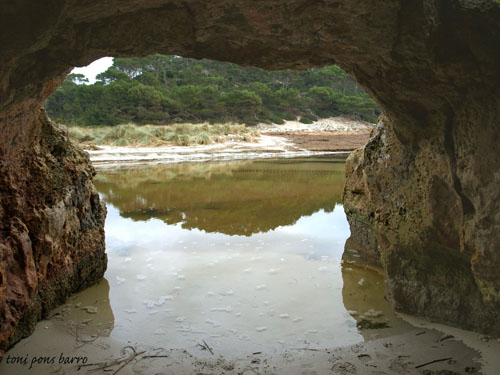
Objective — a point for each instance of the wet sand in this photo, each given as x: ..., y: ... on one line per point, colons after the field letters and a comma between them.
x: 326, y: 141
x: 342, y: 133
x: 418, y: 351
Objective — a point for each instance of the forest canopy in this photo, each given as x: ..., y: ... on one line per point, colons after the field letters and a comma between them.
x: 163, y: 89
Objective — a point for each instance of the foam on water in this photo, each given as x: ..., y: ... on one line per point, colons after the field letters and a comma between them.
x: 267, y: 303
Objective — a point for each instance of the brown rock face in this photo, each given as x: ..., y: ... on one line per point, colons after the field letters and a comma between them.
x: 411, y: 208
x: 432, y: 200
x: 51, y: 221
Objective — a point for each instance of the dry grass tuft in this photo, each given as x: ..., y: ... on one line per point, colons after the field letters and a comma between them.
x: 130, y: 135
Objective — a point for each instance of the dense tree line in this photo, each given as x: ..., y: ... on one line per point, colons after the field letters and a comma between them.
x: 163, y: 89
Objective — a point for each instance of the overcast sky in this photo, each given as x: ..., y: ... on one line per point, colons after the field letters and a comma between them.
x: 98, y: 66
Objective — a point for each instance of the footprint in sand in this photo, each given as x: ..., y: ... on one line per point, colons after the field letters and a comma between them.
x: 344, y: 368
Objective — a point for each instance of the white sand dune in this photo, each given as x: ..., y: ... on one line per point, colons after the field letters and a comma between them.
x: 331, y: 124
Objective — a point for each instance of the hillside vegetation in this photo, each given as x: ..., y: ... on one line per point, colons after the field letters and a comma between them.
x: 163, y: 89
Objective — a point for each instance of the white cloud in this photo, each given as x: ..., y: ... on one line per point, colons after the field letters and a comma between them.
x: 98, y: 66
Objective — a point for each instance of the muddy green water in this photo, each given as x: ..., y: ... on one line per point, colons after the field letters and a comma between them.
x: 245, y: 256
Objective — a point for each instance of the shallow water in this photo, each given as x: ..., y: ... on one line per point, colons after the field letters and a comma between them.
x: 243, y: 256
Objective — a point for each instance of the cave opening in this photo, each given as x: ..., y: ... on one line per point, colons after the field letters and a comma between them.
x: 430, y: 153
x: 162, y: 220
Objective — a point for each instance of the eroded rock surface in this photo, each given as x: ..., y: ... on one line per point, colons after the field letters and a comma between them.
x: 433, y: 199
x: 51, y: 226
x: 411, y: 208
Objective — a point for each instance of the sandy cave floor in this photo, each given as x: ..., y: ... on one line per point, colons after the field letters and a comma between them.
x: 427, y: 349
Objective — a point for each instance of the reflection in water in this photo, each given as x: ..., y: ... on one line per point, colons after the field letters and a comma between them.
x: 364, y: 298
x: 68, y: 331
x: 232, y: 198
x: 282, y: 289
x: 246, y: 256
x: 91, y: 306
x: 250, y: 256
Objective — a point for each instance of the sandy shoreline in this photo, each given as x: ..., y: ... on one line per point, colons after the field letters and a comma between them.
x: 267, y: 147
x: 292, y: 139
x: 422, y: 350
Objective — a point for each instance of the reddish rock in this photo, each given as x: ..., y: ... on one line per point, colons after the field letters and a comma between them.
x: 51, y: 227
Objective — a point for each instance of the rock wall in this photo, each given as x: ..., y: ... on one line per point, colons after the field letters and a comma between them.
x: 51, y: 224
x: 425, y: 213
x: 432, y: 65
